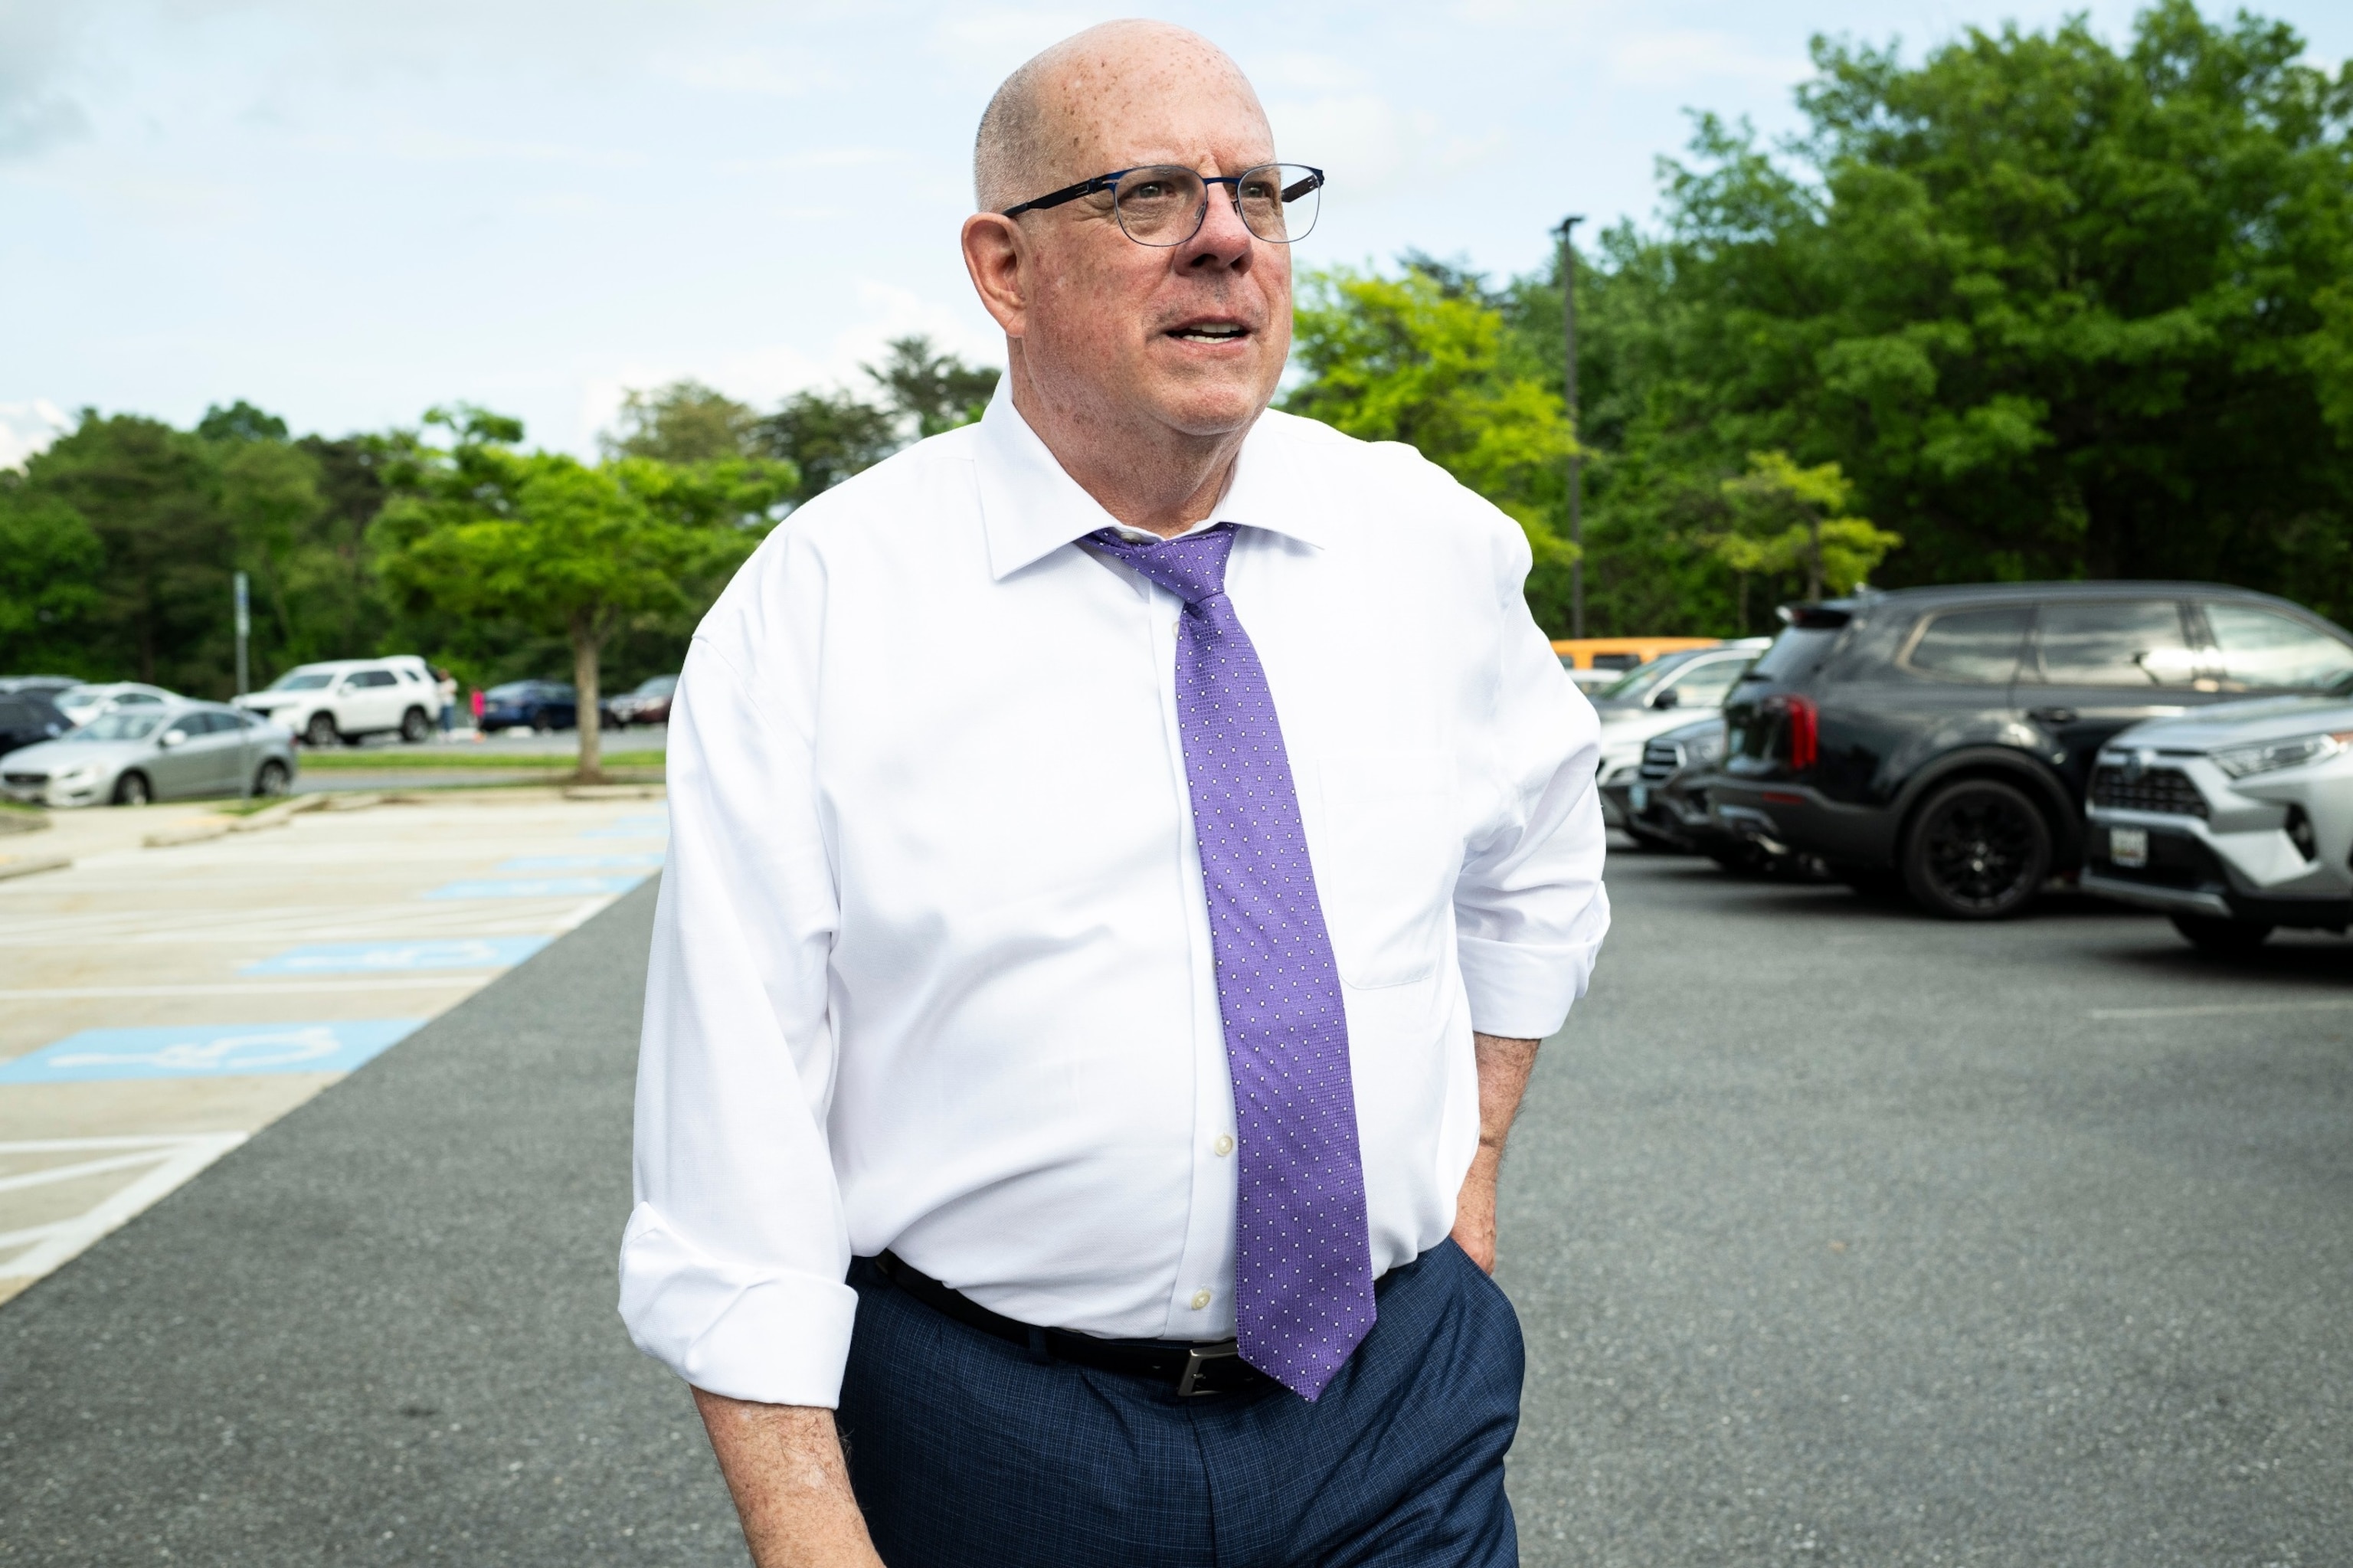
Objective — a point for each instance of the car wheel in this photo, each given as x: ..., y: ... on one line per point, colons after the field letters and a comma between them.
x: 320, y: 731
x: 271, y: 781
x: 1977, y: 851
x: 132, y: 790
x: 415, y: 727
x: 2211, y: 934
x: 541, y: 724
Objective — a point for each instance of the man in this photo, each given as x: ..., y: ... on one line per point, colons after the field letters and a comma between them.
x: 1096, y: 837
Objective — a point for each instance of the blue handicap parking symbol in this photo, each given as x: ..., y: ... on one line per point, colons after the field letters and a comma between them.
x: 537, y: 887
x: 582, y: 862
x: 207, y: 1051
x: 399, y: 958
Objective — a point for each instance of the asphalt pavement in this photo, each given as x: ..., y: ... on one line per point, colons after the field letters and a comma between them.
x: 1839, y: 1236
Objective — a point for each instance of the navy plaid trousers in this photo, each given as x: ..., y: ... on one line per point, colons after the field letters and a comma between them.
x: 964, y: 1451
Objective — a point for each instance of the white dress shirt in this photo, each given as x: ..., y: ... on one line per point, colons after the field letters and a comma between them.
x: 931, y: 969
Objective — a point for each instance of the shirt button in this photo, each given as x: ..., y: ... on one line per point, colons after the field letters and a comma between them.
x: 1200, y: 1299
x: 1225, y: 1144
x: 1176, y: 627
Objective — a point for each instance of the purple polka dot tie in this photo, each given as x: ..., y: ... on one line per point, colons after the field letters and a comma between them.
x: 1303, y: 1261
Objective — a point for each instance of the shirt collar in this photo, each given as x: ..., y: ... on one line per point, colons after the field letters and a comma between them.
x: 1031, y: 506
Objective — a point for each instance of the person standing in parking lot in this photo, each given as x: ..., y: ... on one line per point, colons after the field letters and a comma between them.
x: 1075, y: 1074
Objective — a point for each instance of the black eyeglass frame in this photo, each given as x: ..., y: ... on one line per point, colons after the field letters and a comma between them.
x: 1110, y: 182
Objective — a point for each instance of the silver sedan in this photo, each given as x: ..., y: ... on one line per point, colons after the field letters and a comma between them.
x: 132, y: 756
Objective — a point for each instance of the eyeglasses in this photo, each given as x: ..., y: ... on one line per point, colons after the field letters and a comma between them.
x: 1165, y: 203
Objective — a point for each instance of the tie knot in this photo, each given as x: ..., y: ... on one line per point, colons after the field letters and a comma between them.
x: 1192, y: 568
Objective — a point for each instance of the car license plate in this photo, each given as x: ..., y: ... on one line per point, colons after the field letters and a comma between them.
x: 2129, y: 847
x: 1640, y: 796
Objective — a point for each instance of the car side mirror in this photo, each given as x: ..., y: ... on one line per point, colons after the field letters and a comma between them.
x: 171, y: 737
x: 1670, y: 698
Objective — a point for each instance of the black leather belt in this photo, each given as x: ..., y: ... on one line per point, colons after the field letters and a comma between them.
x: 1198, y: 1369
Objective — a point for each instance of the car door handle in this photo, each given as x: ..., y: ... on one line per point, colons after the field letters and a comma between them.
x: 2051, y: 715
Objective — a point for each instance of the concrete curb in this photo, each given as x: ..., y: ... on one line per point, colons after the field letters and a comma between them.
x: 276, y: 816
x: 9, y: 868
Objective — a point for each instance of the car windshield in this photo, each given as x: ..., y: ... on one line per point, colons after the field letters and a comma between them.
x: 659, y: 686
x: 300, y: 681
x: 1793, y: 653
x: 1635, y: 684
x: 118, y: 726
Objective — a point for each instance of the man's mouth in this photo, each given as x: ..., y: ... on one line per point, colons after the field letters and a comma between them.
x: 1210, y: 331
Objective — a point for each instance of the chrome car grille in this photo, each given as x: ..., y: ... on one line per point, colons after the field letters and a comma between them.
x: 2167, y: 789
x: 25, y: 778
x: 1660, y: 758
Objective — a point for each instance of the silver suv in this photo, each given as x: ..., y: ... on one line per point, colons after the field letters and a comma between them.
x: 2235, y: 820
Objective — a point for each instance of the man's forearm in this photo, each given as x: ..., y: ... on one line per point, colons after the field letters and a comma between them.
x: 1503, y: 1068
x: 784, y: 1468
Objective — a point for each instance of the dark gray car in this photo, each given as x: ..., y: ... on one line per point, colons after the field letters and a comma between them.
x: 170, y: 751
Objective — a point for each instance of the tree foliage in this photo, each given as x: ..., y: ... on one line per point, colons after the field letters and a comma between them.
x: 483, y: 531
x: 2054, y: 308
x: 1420, y: 358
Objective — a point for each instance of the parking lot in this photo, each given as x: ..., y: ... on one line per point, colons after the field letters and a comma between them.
x: 1838, y: 1235
x: 176, y: 987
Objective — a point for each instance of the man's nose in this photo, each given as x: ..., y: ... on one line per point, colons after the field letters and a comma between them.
x: 1224, y: 242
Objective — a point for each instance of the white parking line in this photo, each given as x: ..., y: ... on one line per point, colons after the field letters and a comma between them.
x: 249, y: 988
x: 174, y: 1159
x: 2221, y: 1009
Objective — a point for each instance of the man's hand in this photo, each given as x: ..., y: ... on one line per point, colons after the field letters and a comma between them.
x: 1503, y: 1068
x: 784, y: 1468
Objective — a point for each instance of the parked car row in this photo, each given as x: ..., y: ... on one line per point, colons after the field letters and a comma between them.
x: 2183, y: 746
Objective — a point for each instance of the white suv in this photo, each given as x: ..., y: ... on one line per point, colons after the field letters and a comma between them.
x: 347, y: 699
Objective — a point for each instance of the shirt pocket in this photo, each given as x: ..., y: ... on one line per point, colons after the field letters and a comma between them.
x: 1392, y: 853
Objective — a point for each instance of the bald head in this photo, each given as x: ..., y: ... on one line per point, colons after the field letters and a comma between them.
x: 1070, y: 104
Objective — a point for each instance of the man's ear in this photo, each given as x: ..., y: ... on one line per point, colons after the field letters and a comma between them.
x: 996, y: 253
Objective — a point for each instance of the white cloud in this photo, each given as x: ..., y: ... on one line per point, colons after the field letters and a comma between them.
x: 26, y: 429
x: 1370, y: 146
x: 1683, y: 55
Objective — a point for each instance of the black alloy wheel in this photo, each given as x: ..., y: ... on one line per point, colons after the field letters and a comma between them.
x: 2212, y: 934
x: 132, y: 790
x: 1977, y: 851
x: 320, y: 731
x: 271, y: 781
x: 541, y: 724
x: 413, y: 726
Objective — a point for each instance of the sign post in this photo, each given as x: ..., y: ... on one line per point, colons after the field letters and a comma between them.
x: 244, y: 724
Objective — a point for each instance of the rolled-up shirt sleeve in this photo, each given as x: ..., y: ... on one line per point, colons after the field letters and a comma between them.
x: 732, y: 1262
x: 1530, y: 910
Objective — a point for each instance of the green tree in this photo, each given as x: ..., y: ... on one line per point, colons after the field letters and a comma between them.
x: 544, y: 541
x: 682, y: 422
x: 1791, y: 521
x: 152, y: 496
x: 826, y: 436
x: 931, y: 390
x: 50, y: 560
x: 2057, y: 308
x: 1421, y: 358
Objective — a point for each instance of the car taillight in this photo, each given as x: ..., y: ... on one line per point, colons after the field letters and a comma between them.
x: 1802, y: 720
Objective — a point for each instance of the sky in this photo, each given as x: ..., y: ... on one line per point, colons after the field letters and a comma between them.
x: 347, y: 211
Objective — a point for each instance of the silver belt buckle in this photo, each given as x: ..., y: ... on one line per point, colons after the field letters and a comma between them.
x: 1198, y: 1358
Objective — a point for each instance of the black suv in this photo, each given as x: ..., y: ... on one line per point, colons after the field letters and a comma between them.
x: 1944, y: 737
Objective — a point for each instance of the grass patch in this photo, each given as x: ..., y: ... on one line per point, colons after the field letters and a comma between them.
x: 435, y: 758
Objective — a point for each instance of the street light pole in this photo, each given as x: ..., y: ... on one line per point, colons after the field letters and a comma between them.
x: 1575, y: 455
